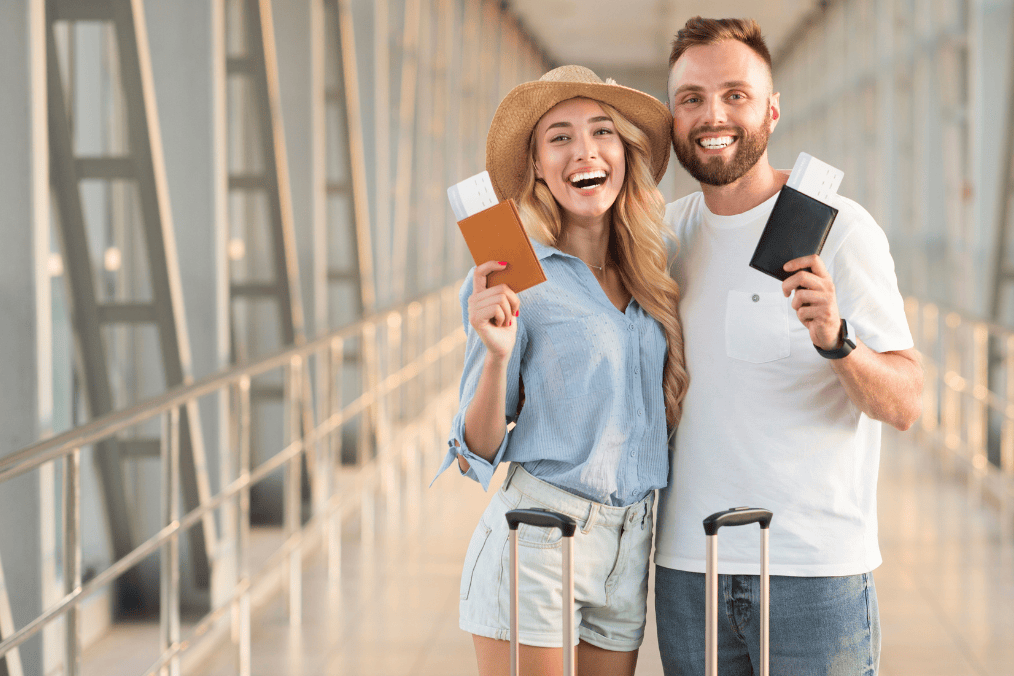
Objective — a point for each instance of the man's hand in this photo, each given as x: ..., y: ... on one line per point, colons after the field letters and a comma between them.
x: 815, y: 302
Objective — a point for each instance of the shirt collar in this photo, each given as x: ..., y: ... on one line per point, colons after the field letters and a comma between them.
x: 542, y: 251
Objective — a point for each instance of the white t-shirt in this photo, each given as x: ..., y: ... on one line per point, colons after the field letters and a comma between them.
x: 766, y: 422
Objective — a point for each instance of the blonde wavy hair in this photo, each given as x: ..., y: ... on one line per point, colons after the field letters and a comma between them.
x: 636, y: 244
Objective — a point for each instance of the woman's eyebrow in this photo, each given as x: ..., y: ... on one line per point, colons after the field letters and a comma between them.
x: 559, y: 124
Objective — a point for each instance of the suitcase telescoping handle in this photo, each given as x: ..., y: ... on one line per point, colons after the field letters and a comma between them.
x: 738, y: 516
x: 543, y: 518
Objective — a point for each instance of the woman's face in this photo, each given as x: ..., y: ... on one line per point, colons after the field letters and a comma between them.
x: 580, y: 156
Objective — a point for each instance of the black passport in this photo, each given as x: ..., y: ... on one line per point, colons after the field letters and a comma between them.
x: 797, y: 226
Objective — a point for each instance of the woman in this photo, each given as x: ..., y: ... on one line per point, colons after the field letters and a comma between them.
x: 595, y: 355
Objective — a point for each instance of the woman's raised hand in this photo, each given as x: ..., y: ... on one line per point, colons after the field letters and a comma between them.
x: 493, y: 312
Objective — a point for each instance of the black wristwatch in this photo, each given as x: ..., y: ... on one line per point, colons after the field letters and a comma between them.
x: 848, y: 343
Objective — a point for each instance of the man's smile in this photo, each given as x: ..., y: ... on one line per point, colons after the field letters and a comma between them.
x: 716, y: 142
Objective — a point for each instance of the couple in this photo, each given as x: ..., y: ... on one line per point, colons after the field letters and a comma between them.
x: 590, y: 366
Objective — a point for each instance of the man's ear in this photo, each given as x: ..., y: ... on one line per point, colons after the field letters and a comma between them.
x: 776, y: 110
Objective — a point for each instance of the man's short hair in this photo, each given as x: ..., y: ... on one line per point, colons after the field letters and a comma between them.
x: 700, y: 31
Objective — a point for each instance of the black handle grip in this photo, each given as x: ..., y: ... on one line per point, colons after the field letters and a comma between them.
x: 543, y: 518
x: 737, y: 516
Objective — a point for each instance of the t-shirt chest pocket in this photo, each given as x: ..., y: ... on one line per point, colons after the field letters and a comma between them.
x: 757, y: 326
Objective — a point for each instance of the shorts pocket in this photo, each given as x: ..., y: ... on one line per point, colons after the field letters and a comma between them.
x: 538, y: 537
x: 475, y: 547
x: 757, y: 326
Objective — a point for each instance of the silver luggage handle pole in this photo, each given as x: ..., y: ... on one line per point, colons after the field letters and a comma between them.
x: 739, y: 516
x: 544, y: 518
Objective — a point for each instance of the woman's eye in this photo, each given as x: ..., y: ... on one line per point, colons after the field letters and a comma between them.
x: 559, y: 137
x: 604, y: 131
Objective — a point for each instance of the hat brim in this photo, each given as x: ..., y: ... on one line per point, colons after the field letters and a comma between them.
x: 519, y: 112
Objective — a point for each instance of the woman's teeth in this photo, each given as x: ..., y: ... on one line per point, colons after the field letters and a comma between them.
x: 588, y: 179
x: 715, y: 143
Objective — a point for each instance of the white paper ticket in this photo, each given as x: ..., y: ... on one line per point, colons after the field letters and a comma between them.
x: 471, y: 196
x: 817, y: 179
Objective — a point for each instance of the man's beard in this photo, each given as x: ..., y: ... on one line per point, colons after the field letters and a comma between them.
x: 716, y: 171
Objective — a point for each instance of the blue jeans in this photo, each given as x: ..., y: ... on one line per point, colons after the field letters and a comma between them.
x: 819, y: 625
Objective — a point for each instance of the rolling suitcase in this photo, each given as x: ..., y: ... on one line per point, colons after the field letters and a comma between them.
x: 543, y: 518
x: 739, y: 516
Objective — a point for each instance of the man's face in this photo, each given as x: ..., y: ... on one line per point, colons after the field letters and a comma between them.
x: 723, y: 111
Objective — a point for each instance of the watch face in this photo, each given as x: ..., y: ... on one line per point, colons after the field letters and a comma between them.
x: 850, y: 336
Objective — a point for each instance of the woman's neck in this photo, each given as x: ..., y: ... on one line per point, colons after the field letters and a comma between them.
x: 588, y: 239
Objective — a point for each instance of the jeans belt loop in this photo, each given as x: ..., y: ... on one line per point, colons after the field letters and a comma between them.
x: 510, y: 475
x: 593, y: 514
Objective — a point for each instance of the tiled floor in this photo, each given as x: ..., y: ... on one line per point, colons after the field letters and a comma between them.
x: 946, y: 588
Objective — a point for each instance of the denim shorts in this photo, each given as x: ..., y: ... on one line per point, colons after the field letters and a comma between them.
x: 611, y: 549
x: 819, y: 625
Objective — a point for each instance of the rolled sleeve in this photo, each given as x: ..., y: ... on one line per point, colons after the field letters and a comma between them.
x: 480, y: 469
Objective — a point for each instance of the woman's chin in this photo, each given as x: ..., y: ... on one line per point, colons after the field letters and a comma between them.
x: 589, y: 207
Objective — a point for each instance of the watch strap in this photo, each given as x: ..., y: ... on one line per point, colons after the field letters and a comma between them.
x: 847, y: 345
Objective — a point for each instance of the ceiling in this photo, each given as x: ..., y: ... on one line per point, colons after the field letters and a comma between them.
x: 629, y: 40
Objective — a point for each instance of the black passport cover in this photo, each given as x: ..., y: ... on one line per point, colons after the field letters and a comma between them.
x: 797, y: 227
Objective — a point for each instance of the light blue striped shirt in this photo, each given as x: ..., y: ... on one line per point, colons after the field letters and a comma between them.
x: 593, y: 422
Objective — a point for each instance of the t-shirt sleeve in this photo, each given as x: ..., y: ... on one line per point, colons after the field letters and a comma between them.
x: 866, y: 284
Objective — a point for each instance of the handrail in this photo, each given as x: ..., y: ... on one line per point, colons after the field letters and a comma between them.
x: 41, y: 452
x: 968, y: 396
x: 427, y: 321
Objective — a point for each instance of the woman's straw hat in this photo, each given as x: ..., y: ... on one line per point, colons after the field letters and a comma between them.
x: 519, y: 112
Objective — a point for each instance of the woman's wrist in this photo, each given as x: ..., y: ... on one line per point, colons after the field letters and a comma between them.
x: 496, y: 361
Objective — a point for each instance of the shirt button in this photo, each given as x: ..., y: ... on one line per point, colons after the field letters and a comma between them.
x: 630, y: 328
x: 638, y: 412
x: 756, y: 298
x: 633, y: 453
x: 636, y: 371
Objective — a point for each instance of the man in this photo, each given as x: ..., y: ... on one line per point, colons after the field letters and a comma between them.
x: 788, y: 385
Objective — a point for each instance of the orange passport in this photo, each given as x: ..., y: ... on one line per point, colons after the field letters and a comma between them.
x: 496, y: 234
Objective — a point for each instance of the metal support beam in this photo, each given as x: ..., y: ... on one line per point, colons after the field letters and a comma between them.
x: 406, y: 140
x: 258, y: 66
x: 382, y: 144
x: 1003, y: 261
x: 144, y: 167
x: 347, y: 196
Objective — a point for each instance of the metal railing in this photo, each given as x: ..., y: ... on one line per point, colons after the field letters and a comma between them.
x: 410, y: 359
x: 968, y: 397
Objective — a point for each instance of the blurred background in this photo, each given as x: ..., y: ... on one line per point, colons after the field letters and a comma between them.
x: 232, y: 340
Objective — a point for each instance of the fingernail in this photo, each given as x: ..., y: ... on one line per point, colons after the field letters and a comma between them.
x: 517, y: 312
x: 501, y: 262
x: 510, y: 322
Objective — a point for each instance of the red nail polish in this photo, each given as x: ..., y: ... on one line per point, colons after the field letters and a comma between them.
x: 517, y: 312
x: 501, y: 262
x: 510, y: 322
